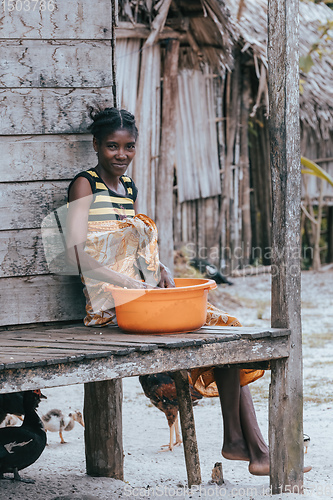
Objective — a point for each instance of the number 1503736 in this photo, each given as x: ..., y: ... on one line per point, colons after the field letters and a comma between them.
x: 27, y: 5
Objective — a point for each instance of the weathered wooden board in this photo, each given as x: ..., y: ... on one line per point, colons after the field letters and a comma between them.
x: 284, y: 123
x: 103, y: 432
x: 22, y: 253
x: 80, y: 339
x: 188, y: 427
x: 51, y: 347
x: 12, y: 355
x: 53, y: 63
x: 113, y: 334
x: 139, y: 363
x: 278, y: 418
x: 141, y: 31
x: 46, y: 111
x: 82, y: 335
x: 43, y: 352
x: 24, y: 205
x: 40, y: 298
x: 69, y: 20
x: 45, y: 157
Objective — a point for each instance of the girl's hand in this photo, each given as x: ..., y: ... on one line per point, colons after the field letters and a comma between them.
x: 136, y: 284
x: 166, y: 280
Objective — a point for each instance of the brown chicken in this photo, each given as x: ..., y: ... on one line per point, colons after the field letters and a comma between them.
x: 161, y: 390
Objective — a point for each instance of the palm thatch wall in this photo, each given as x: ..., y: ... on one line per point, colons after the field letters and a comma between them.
x: 206, y: 38
x: 316, y: 104
x: 222, y: 186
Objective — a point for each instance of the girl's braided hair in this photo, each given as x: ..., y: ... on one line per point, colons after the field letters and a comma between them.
x: 108, y: 120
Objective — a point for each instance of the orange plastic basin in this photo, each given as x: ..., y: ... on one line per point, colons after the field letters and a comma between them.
x: 164, y: 310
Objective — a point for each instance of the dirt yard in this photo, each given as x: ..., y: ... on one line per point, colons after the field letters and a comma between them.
x: 60, y: 471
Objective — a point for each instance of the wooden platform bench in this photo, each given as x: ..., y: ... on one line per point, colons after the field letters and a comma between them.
x: 43, y: 357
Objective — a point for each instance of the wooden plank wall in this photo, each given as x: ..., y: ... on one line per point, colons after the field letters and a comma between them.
x: 52, y: 65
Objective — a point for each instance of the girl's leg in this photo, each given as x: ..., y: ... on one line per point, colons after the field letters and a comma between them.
x: 242, y: 439
x: 258, y: 449
x: 234, y: 444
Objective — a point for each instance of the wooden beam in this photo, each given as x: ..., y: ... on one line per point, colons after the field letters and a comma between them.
x: 278, y: 422
x: 103, y: 428
x: 158, y: 23
x: 324, y: 160
x: 128, y: 30
x: 245, y: 166
x: 283, y: 57
x: 188, y: 428
x: 164, y: 196
x: 68, y: 369
x: 330, y: 234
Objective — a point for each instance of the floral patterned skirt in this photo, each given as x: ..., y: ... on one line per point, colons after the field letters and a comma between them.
x: 203, y: 379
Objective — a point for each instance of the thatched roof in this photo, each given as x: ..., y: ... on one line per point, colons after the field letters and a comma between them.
x: 202, y: 26
x: 316, y: 99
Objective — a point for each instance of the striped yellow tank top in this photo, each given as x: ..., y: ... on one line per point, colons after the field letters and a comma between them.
x: 108, y: 205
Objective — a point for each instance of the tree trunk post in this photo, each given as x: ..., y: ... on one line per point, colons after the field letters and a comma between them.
x: 103, y: 428
x: 164, y: 190
x: 245, y: 166
x: 188, y: 428
x: 330, y: 234
x: 286, y: 434
x: 278, y: 420
x: 316, y: 263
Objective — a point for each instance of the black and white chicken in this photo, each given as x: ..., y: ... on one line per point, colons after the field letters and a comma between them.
x: 209, y: 271
x: 22, y: 446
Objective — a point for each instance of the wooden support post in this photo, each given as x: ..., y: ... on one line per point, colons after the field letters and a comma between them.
x: 283, y: 56
x: 245, y: 166
x: 330, y: 234
x: 164, y: 187
x: 103, y: 428
x: 278, y: 421
x: 188, y: 428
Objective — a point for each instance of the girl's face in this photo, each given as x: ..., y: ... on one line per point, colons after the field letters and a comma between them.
x: 115, y: 152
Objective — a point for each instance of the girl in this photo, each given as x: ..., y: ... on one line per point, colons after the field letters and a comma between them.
x: 114, y: 247
x: 104, y: 238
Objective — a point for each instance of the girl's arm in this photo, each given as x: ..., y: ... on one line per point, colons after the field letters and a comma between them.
x: 80, y: 198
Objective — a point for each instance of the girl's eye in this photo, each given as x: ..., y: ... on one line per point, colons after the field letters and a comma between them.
x: 131, y: 146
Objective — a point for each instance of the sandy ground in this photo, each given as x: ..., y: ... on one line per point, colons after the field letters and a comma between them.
x: 60, y: 471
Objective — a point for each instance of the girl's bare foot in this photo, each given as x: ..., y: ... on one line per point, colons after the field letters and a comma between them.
x: 261, y: 467
x: 236, y: 451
